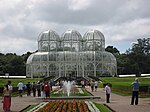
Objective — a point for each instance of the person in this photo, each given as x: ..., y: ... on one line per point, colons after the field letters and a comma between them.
x: 96, y: 85
x: 135, y: 91
x: 107, y: 90
x: 28, y: 89
x: 6, y: 98
x: 51, y: 85
x: 42, y: 91
x: 39, y: 88
x: 20, y: 88
x: 34, y: 89
x: 92, y: 85
x: 60, y: 84
x: 10, y: 88
x: 47, y: 89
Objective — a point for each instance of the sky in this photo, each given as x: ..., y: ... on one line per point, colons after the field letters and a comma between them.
x: 121, y: 21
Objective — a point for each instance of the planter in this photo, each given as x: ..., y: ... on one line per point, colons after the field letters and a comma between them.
x: 66, y: 106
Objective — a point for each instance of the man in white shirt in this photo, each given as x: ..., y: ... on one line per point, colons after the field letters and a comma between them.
x: 108, y: 90
x: 20, y: 88
x: 96, y: 85
x: 10, y: 88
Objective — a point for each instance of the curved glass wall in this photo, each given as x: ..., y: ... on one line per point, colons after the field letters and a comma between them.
x: 71, y: 55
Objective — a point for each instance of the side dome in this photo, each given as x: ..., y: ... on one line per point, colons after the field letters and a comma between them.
x: 48, y: 41
x: 94, y: 40
x: 71, y: 35
x: 48, y: 35
x: 30, y: 58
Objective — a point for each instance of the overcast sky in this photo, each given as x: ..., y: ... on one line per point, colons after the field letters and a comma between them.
x: 121, y: 21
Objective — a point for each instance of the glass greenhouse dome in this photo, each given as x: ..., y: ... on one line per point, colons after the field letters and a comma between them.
x: 71, y: 55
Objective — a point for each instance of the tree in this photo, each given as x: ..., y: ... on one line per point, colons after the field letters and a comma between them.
x: 112, y: 50
x: 139, y: 54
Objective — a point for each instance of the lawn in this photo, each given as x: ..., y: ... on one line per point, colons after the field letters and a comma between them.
x: 126, y: 81
x: 102, y: 107
x: 15, y: 81
x: 123, y: 86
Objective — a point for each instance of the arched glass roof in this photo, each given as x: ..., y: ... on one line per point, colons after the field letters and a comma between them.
x: 107, y: 56
x: 71, y: 35
x: 29, y: 60
x: 48, y: 35
x: 93, y: 35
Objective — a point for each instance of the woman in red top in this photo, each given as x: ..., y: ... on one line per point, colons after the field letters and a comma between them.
x: 47, y: 89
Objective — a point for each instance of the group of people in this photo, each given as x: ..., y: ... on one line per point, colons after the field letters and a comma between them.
x: 94, y: 85
x: 42, y: 89
x: 135, y: 90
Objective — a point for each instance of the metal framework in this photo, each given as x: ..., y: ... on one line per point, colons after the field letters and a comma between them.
x: 71, y: 55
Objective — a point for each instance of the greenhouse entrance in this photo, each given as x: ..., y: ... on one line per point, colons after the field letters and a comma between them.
x: 71, y: 75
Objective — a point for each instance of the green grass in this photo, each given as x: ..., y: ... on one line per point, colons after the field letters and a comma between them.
x: 126, y: 81
x: 15, y: 81
x: 121, y: 93
x: 102, y: 107
x: 29, y: 108
x: 122, y: 86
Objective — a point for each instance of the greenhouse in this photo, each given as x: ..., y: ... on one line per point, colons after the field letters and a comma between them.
x: 71, y: 55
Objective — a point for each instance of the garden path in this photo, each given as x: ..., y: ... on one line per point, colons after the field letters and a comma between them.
x: 120, y: 103
x: 19, y: 103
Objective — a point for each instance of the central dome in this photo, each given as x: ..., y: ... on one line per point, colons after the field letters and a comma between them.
x: 71, y: 35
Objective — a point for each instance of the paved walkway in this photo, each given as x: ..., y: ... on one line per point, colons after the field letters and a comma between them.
x: 122, y: 103
x: 118, y: 103
x: 19, y: 103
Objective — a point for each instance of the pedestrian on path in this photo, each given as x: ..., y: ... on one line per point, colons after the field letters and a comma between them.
x: 29, y: 87
x: 42, y: 91
x: 6, y: 99
x: 135, y: 91
x: 39, y: 89
x: 10, y: 88
x: 47, y: 89
x: 92, y: 85
x: 34, y: 89
x: 96, y: 85
x: 20, y: 88
x: 107, y: 90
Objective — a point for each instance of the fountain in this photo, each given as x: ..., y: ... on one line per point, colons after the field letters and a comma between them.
x: 68, y: 85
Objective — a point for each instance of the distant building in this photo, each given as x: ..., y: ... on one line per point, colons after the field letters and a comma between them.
x: 71, y: 56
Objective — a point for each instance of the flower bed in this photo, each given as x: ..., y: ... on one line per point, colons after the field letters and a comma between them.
x: 67, y: 106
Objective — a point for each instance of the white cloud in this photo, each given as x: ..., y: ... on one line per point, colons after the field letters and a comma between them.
x: 78, y: 4
x: 19, y: 46
x: 121, y: 21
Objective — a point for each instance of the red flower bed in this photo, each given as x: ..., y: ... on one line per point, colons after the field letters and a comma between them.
x: 65, y: 106
x: 124, y: 91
